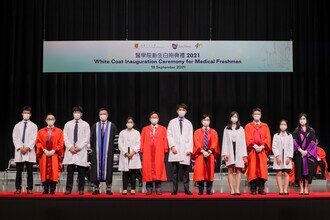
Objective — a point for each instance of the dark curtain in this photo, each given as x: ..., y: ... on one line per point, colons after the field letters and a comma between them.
x: 26, y: 24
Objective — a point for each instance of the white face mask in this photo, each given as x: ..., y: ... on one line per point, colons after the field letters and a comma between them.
x: 302, y: 121
x: 103, y: 117
x: 283, y: 127
x: 233, y: 119
x: 129, y: 125
x: 50, y: 123
x: 26, y: 117
x: 206, y: 123
x: 76, y: 116
x: 181, y: 113
x: 154, y: 121
x: 256, y: 117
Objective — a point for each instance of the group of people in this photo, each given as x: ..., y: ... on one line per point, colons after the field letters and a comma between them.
x: 244, y: 150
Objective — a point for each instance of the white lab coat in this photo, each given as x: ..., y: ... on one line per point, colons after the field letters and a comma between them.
x: 80, y: 158
x: 30, y: 141
x: 129, y: 139
x: 282, y: 143
x: 227, y: 146
x: 183, y: 143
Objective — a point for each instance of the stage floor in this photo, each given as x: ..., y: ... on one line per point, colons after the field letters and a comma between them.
x: 220, y: 185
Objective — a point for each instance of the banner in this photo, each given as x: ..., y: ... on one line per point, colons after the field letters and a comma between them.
x: 167, y: 56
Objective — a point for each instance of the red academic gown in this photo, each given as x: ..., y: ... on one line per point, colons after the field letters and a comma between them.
x: 257, y: 162
x: 204, y: 168
x: 153, y: 148
x: 50, y: 167
x: 321, y: 154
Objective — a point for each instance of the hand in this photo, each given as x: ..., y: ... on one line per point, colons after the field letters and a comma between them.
x: 288, y: 160
x: 278, y: 160
x: 130, y: 156
x: 23, y: 150
x: 259, y: 149
x: 318, y: 159
x: 303, y: 153
x: 126, y: 155
x: 77, y: 149
x: 225, y: 158
x: 205, y: 153
x: 52, y: 152
x: 245, y: 160
x: 73, y: 150
x: 47, y: 153
x: 174, y: 151
x: 188, y: 154
x: 255, y: 146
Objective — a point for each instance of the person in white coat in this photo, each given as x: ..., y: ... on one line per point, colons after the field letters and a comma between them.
x: 234, y: 151
x: 282, y: 148
x: 180, y: 139
x: 76, y: 138
x: 24, y: 139
x: 129, y: 159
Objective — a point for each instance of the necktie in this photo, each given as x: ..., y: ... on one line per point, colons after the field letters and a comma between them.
x: 153, y: 130
x: 102, y: 130
x: 75, y: 133
x: 24, y: 131
x: 180, y: 125
x: 206, y: 140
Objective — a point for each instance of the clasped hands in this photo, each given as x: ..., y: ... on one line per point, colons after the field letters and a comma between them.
x: 258, y: 148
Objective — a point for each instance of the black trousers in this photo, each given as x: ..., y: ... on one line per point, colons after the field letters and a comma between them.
x: 175, y: 171
x: 322, y: 165
x: 201, y: 185
x: 259, y: 182
x: 81, y: 177
x: 129, y: 176
x: 49, y: 184
x: 150, y: 185
x: 19, y: 171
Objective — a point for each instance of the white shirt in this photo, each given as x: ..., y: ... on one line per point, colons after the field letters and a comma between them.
x: 129, y: 139
x: 183, y: 143
x: 29, y: 141
x: 282, y: 143
x: 79, y: 158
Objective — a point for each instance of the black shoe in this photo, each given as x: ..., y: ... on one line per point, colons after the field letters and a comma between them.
x: 96, y: 192
x: 109, y: 192
x: 253, y: 192
x: 159, y: 193
x: 209, y: 192
x: 261, y: 192
x: 188, y: 193
x: 81, y: 192
x: 52, y: 192
x: 67, y: 192
x: 281, y: 194
x: 200, y: 193
x: 174, y: 193
x: 149, y: 192
x: 238, y: 194
x: 46, y: 191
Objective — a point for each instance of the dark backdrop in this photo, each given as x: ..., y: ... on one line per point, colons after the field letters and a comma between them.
x: 25, y: 24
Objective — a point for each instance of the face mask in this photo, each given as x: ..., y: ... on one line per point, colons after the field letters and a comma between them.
x: 181, y: 113
x: 154, y: 121
x: 50, y: 123
x: 76, y: 116
x: 256, y: 117
x: 234, y: 119
x: 103, y: 117
x: 206, y: 123
x: 26, y: 117
x: 129, y: 125
x: 302, y: 121
x: 283, y: 127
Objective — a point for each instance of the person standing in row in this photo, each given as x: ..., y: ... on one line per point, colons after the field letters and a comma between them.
x: 129, y: 158
x: 76, y: 138
x: 50, y: 153
x: 153, y: 148
x: 205, y: 153
x: 24, y: 139
x: 283, y: 151
x: 104, y: 138
x: 180, y: 140
x: 305, y: 153
x: 258, y: 141
x: 234, y: 151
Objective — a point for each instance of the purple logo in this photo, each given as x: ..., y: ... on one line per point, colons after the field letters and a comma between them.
x: 174, y: 46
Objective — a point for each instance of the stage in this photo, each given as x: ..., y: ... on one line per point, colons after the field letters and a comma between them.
x: 166, y: 206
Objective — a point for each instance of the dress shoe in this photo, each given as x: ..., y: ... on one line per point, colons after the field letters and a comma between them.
x: 29, y: 191
x: 96, y: 192
x: 188, y: 193
x: 18, y: 191
x: 109, y: 192
x: 67, y: 192
x: 81, y: 192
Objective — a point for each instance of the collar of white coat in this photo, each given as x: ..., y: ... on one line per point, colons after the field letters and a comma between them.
x: 179, y: 118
